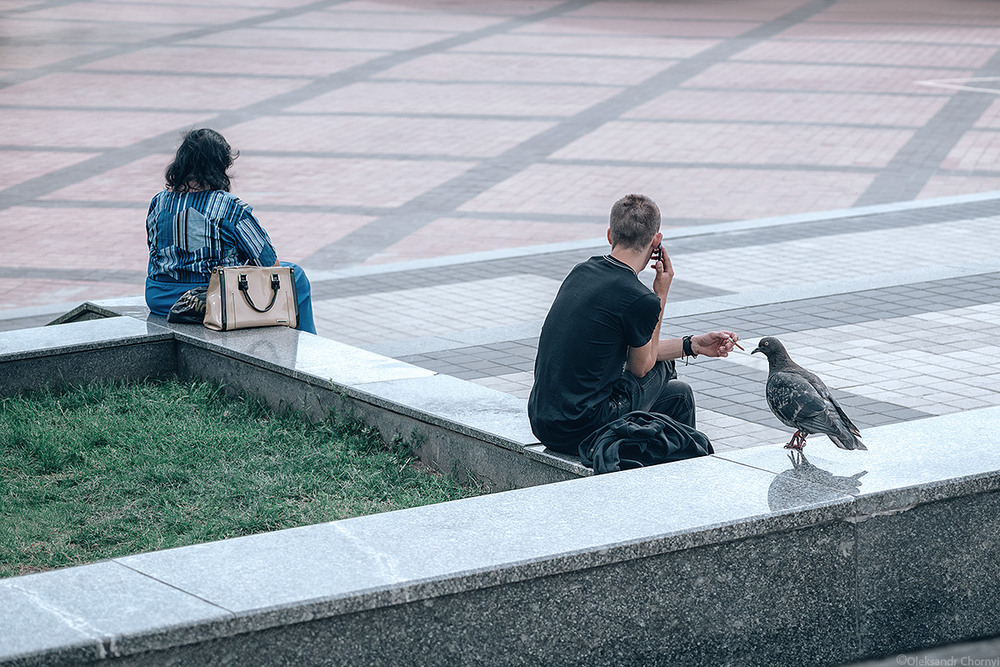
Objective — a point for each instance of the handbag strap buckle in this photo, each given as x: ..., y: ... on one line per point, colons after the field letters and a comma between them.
x: 244, y: 287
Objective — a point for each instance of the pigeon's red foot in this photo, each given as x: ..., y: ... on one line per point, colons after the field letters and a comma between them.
x: 797, y: 442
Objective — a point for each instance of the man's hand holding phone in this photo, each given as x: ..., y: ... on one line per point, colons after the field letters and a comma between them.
x: 664, y: 272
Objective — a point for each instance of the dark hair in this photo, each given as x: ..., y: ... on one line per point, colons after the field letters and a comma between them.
x: 201, y: 162
x: 635, y: 219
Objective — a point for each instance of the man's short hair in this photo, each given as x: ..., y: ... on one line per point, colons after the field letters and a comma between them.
x: 635, y: 219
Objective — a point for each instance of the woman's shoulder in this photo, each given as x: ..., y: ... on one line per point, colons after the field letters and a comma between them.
x: 203, y: 200
x: 228, y: 199
x: 160, y: 201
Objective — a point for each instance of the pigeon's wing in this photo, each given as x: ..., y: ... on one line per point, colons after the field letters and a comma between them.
x: 796, y: 402
x: 845, y: 421
x: 793, y: 399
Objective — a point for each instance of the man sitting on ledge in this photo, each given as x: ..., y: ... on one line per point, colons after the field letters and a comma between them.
x: 600, y: 355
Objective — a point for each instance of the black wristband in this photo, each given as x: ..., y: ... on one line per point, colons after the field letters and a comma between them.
x: 688, y: 351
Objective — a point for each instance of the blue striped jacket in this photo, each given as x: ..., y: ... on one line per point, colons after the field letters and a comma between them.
x: 191, y: 233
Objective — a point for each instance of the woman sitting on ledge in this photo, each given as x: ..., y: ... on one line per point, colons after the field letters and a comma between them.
x: 195, y: 225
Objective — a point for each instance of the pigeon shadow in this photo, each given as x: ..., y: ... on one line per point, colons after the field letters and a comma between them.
x: 787, y: 490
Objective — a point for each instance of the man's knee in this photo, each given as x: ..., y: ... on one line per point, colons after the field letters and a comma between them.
x: 677, y: 401
x: 682, y: 390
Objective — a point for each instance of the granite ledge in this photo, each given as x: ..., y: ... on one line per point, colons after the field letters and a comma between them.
x: 97, y: 611
x: 104, y: 309
x: 385, y: 559
x: 81, y: 336
x: 539, y: 452
x: 906, y: 464
x: 387, y: 595
x: 459, y: 405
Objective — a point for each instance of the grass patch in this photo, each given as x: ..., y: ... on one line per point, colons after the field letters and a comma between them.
x: 109, y: 469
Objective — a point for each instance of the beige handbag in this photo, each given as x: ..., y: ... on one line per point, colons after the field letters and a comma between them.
x: 240, y: 297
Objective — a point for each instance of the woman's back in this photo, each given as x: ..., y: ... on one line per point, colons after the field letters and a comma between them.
x: 190, y: 233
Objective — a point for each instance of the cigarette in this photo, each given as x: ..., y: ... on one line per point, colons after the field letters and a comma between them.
x: 738, y: 345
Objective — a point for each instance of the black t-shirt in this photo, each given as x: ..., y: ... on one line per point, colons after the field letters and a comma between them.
x: 601, y: 310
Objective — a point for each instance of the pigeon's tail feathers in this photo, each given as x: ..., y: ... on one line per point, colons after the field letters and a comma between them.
x: 845, y: 420
x: 844, y: 433
x: 853, y: 431
x: 849, y: 440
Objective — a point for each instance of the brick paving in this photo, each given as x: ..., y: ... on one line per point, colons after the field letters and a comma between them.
x: 438, y: 167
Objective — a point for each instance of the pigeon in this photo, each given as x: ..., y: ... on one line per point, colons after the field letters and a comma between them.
x: 799, y: 399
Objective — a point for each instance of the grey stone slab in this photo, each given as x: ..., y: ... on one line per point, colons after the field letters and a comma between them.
x: 272, y: 346
x: 303, y: 354
x: 929, y: 574
x: 22, y: 616
x: 132, y: 306
x: 135, y: 302
x: 26, y: 322
x: 348, y: 365
x: 567, y: 462
x: 78, y: 336
x: 96, y: 611
x: 776, y: 599
x: 906, y: 463
x: 484, y: 541
x: 452, y: 401
x: 112, y: 361
x: 44, y: 312
x: 89, y: 310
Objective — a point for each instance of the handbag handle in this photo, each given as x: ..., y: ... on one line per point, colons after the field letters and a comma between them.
x: 244, y: 287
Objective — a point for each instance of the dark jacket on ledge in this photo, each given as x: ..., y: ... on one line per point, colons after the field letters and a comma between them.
x: 640, y: 439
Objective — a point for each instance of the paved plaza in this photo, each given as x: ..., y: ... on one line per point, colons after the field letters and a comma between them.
x: 827, y: 172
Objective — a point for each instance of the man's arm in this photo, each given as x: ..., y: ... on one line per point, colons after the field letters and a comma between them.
x: 642, y: 359
x: 711, y: 344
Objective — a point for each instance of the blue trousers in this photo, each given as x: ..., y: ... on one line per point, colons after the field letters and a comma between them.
x: 161, y: 296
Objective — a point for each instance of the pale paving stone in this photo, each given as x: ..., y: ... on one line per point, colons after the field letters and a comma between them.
x: 846, y: 255
x: 440, y: 310
x: 516, y: 384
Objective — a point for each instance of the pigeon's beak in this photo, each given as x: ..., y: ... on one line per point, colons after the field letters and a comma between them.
x: 756, y: 350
